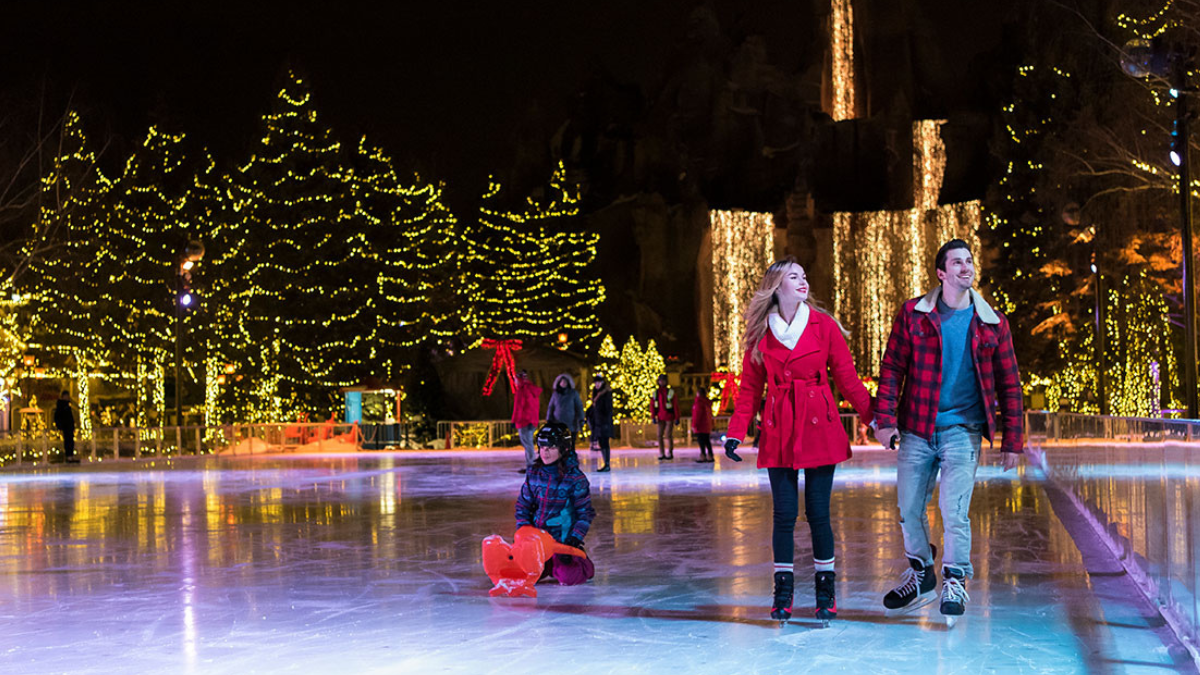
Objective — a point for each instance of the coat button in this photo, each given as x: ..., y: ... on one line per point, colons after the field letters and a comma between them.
x: 814, y: 420
x: 812, y: 394
x: 787, y: 373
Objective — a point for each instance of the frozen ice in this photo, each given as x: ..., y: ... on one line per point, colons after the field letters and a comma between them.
x: 370, y: 563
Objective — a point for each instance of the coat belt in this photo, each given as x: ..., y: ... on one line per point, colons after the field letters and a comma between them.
x: 787, y: 397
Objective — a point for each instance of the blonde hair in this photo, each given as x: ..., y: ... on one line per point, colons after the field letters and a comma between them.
x: 764, y: 302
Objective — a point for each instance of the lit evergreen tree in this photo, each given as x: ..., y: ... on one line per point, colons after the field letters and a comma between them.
x: 408, y: 240
x: 529, y: 271
x: 297, y: 264
x: 63, y: 294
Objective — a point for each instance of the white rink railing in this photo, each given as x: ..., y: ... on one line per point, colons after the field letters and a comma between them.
x: 1137, y: 480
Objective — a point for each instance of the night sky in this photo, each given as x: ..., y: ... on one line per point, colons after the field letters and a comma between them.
x: 441, y: 85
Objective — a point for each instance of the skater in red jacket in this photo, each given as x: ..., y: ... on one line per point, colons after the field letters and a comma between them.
x: 664, y: 410
x: 793, y: 350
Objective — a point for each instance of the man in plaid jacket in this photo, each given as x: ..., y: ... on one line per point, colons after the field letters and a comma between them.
x: 952, y: 357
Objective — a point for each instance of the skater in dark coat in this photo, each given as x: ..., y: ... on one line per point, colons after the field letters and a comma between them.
x: 793, y: 351
x: 702, y: 425
x: 600, y: 418
x: 565, y: 405
x: 556, y: 498
x: 64, y: 421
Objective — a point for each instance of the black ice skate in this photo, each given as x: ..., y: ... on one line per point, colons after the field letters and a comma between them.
x: 954, y: 594
x: 916, y: 589
x: 781, y: 608
x: 826, y: 597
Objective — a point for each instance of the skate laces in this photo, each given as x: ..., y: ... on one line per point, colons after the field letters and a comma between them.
x: 954, y: 590
x: 910, y: 581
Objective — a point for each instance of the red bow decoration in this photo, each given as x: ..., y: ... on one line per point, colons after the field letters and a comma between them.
x: 729, y: 389
x: 503, y: 360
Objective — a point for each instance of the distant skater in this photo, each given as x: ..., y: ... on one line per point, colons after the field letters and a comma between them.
x: 600, y: 418
x: 565, y: 405
x: 64, y: 420
x: 948, y: 366
x: 526, y: 414
x: 793, y: 350
x: 664, y: 410
x: 702, y: 424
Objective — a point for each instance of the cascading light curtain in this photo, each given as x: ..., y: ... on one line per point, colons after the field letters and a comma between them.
x: 743, y: 246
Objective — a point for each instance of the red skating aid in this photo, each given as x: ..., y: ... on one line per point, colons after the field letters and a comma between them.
x: 515, y: 568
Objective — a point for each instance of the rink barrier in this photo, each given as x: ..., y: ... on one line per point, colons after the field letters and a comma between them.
x: 102, y: 444
x: 1137, y: 481
x: 479, y: 434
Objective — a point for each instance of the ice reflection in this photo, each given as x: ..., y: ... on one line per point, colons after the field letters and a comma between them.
x: 371, y: 564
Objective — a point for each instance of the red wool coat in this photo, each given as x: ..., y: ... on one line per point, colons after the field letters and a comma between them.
x: 702, y: 415
x: 801, y: 426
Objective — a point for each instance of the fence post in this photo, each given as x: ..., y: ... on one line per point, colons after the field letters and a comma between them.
x: 45, y: 449
x: 491, y: 436
x: 137, y: 443
x: 20, y: 449
x: 179, y: 441
x: 158, y: 439
x: 198, y: 448
x: 93, y: 442
x: 116, y: 443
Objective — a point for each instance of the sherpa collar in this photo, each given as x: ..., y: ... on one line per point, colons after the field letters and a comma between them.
x: 985, y: 312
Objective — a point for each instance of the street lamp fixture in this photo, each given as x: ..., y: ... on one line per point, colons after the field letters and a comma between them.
x: 191, y: 254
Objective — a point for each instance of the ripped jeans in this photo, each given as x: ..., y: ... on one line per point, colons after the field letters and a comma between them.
x: 955, y: 451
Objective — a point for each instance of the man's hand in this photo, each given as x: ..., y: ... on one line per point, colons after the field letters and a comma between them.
x: 1010, y: 460
x: 888, y: 437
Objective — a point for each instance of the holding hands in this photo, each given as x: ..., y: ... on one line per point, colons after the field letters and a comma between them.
x: 888, y: 437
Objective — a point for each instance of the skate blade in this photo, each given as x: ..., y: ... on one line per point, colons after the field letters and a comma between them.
x: 919, y: 602
x: 951, y: 620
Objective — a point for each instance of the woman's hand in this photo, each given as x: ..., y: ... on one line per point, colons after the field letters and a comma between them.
x: 731, y: 445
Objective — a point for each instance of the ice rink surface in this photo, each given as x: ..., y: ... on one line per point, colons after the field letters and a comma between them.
x: 371, y: 564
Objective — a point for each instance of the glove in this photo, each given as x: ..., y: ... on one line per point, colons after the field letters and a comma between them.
x: 731, y: 445
x: 574, y: 541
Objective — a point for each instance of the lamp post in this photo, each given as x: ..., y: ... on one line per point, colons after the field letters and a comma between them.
x: 1141, y: 59
x: 191, y: 254
x: 1101, y: 365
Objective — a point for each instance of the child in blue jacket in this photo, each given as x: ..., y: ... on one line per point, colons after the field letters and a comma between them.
x: 556, y: 498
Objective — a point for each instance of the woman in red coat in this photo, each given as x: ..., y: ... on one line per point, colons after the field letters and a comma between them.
x: 794, y: 349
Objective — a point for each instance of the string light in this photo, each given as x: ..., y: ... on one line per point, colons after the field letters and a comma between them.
x: 529, y: 272
x: 841, y: 31
x: 742, y: 247
x: 874, y: 276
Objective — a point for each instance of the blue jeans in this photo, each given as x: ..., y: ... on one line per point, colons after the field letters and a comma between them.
x: 527, y: 435
x: 955, y: 451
